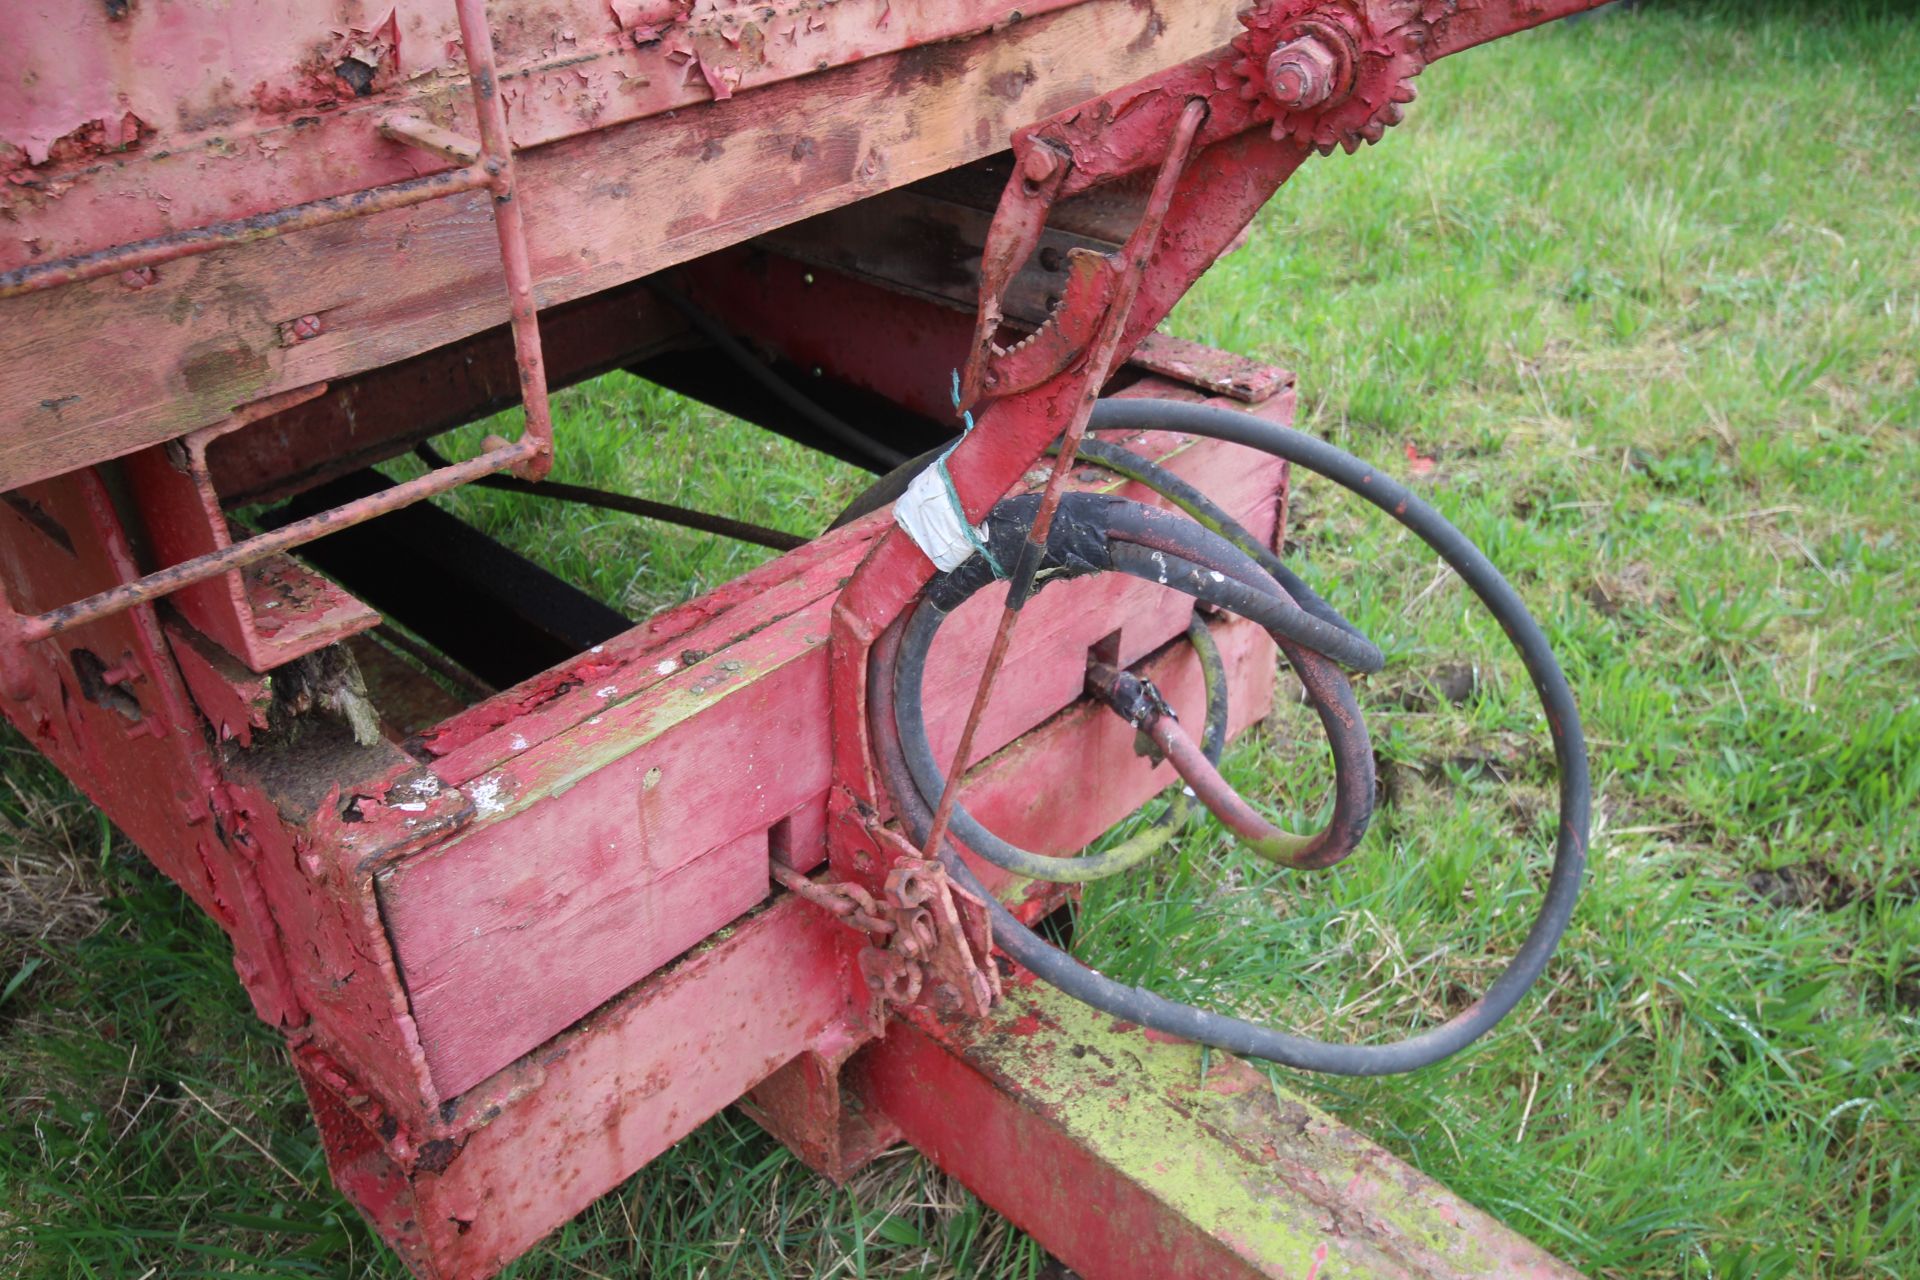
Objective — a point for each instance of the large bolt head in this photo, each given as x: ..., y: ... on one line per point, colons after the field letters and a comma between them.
x: 1039, y: 164
x: 1302, y: 74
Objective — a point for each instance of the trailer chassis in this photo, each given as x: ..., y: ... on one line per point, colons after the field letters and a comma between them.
x: 523, y: 952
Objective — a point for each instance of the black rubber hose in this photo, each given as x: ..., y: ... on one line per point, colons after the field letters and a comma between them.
x: 1098, y: 533
x: 1233, y: 581
x: 1563, y: 719
x: 627, y: 504
x: 1125, y: 462
x: 1175, y: 489
x: 906, y: 660
x: 731, y: 347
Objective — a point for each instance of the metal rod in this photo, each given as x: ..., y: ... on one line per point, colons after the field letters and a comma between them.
x: 496, y: 150
x: 1134, y: 258
x: 221, y: 235
x: 259, y: 547
x: 646, y: 508
x: 1202, y: 777
x: 425, y: 135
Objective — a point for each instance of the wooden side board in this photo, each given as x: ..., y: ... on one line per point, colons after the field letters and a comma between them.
x: 561, y: 1126
x: 124, y: 122
x: 602, y: 849
x: 98, y: 370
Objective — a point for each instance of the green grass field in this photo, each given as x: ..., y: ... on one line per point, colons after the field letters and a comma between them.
x: 1647, y: 292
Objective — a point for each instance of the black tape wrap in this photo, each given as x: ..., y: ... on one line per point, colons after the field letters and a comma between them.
x: 1076, y: 546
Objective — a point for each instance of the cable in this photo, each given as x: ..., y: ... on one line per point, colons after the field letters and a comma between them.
x: 1233, y: 1034
x: 1097, y: 533
x: 1175, y: 489
x: 777, y: 386
x: 646, y: 508
x: 1124, y: 462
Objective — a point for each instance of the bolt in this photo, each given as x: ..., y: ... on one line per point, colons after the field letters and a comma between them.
x: 1039, y: 163
x: 307, y: 327
x: 137, y: 278
x: 1301, y: 74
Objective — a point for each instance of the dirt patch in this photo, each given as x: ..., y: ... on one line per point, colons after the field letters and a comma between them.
x: 1906, y: 990
x: 50, y: 890
x: 1451, y: 684
x: 1629, y: 587
x: 1401, y: 780
x: 1805, y: 885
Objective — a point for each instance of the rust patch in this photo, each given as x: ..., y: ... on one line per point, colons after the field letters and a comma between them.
x: 108, y: 135
x: 1012, y: 85
x: 221, y: 366
x: 1150, y: 31
x: 437, y: 1155
x: 355, y: 63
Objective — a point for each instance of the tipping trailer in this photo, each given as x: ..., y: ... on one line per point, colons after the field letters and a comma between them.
x: 532, y: 891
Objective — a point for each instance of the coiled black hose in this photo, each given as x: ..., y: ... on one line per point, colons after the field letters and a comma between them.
x: 910, y: 795
x: 1096, y: 533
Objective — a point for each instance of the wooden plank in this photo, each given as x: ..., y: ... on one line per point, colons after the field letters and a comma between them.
x: 514, y: 931
x: 1127, y: 1152
x: 484, y: 737
x: 613, y: 1093
x: 469, y: 987
x: 929, y: 247
x: 99, y: 370
x: 196, y: 151
x: 376, y: 415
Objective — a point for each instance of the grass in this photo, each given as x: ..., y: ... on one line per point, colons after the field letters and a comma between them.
x: 1647, y: 293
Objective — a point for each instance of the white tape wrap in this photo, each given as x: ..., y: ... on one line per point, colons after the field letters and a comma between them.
x: 931, y: 516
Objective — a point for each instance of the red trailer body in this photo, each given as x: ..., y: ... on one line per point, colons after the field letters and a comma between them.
x: 522, y: 939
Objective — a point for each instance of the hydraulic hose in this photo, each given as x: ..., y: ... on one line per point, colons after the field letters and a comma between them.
x: 883, y: 456
x: 890, y: 719
x: 1095, y: 533
x: 1175, y: 489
